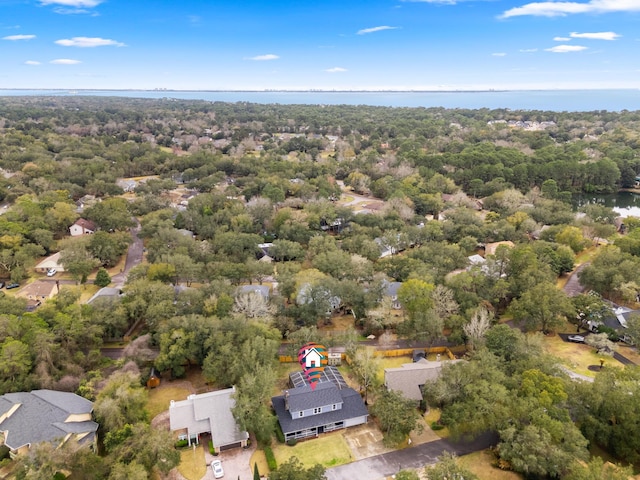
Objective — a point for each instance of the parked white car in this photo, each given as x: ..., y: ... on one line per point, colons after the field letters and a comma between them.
x: 51, y: 272
x: 216, y: 466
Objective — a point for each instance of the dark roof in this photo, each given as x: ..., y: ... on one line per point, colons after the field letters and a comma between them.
x: 352, y: 407
x: 329, y: 374
x: 305, y: 398
x: 43, y: 416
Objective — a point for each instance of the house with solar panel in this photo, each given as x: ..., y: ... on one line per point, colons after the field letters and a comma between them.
x: 306, y: 412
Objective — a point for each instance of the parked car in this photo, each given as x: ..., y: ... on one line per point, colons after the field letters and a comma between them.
x: 51, y: 272
x: 576, y: 338
x: 12, y: 285
x: 216, y: 466
x: 1, y: 284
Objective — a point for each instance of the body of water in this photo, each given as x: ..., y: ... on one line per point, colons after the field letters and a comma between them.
x: 626, y: 204
x: 548, y: 100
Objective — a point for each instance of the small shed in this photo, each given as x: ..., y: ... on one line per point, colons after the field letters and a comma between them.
x: 154, y: 378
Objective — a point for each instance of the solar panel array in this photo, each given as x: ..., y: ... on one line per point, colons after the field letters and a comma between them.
x: 329, y: 374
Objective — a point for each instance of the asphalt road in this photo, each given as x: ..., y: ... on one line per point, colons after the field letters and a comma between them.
x: 134, y: 256
x: 381, y: 466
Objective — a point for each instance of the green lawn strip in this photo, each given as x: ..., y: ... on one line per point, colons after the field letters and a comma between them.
x: 328, y: 450
x: 159, y: 399
x: 192, y: 463
x: 481, y: 463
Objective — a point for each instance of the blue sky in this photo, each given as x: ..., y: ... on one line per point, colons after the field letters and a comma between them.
x: 322, y: 44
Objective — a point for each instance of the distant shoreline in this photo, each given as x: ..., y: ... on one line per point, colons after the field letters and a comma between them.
x: 160, y: 90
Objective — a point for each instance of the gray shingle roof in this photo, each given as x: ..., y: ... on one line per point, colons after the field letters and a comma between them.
x: 305, y: 398
x: 208, y: 412
x: 352, y: 407
x: 409, y: 378
x: 42, y: 416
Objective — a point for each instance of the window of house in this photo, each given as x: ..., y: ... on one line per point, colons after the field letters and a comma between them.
x: 334, y: 407
x: 301, y: 414
x: 317, y: 410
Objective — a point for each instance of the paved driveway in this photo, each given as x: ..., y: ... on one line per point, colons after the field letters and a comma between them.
x: 235, y: 463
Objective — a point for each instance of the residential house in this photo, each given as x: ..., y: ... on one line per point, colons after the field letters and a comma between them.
x: 306, y: 411
x: 27, y: 418
x: 82, y: 227
x: 52, y: 261
x: 39, y: 290
x: 391, y: 291
x: 617, y: 320
x: 263, y: 290
x: 208, y: 414
x: 409, y: 379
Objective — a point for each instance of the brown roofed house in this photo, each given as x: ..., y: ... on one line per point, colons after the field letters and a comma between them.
x: 82, y: 226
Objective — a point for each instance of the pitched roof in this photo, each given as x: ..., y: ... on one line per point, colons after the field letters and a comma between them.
x: 307, y: 397
x: 43, y: 416
x: 38, y: 289
x: 86, y: 224
x: 52, y: 261
x: 208, y: 412
x: 409, y: 378
x: 352, y: 407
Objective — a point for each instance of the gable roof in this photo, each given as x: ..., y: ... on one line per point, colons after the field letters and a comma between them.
x: 307, y: 397
x: 263, y: 290
x: 409, y: 378
x: 86, y: 224
x: 352, y: 407
x: 38, y: 289
x: 52, y: 261
x: 208, y: 412
x: 44, y: 416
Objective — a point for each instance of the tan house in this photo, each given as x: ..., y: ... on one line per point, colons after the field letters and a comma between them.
x: 27, y: 418
x: 82, y: 227
x: 52, y: 261
x: 39, y: 291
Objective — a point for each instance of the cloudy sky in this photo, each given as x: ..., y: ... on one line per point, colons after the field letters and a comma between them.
x: 322, y: 44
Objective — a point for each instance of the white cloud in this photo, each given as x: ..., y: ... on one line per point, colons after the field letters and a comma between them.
x: 364, y: 31
x: 499, y: 54
x: 561, y: 39
x: 596, y: 35
x: 565, y: 48
x: 73, y: 3
x: 73, y: 11
x: 88, y: 42
x: 561, y: 9
x: 262, y: 58
x: 336, y: 70
x: 19, y: 37
x: 65, y: 61
x: 31, y: 62
x: 528, y: 50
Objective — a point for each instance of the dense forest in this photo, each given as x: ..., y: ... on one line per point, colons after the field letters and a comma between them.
x: 342, y: 201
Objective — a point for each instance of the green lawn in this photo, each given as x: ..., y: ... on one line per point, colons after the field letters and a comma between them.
x: 159, y: 399
x: 192, y: 463
x: 328, y: 450
x: 480, y: 463
x: 576, y: 356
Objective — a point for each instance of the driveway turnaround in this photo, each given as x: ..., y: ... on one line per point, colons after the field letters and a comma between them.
x: 387, y: 464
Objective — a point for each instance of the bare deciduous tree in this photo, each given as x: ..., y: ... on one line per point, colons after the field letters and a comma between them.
x: 477, y: 327
x: 253, y: 305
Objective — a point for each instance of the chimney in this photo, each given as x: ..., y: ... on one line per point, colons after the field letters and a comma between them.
x: 286, y: 400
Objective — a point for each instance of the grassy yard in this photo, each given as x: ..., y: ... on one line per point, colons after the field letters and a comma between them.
x: 480, y: 463
x: 159, y: 398
x: 433, y: 415
x: 192, y: 463
x: 578, y: 357
x: 259, y: 458
x: 329, y: 450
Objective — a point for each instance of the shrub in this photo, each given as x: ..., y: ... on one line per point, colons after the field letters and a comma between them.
x: 279, y: 433
x: 212, y: 450
x: 436, y: 426
x: 181, y: 443
x: 292, y: 442
x: 4, y: 452
x: 271, y: 459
